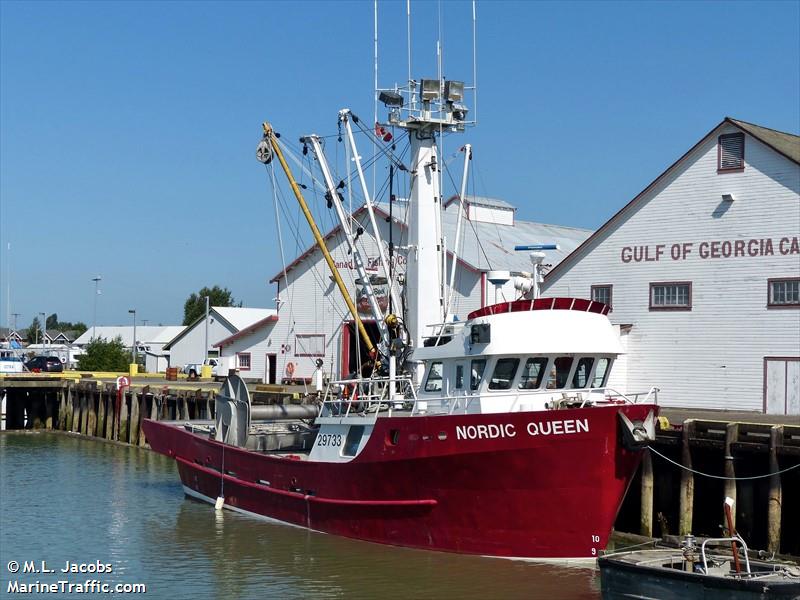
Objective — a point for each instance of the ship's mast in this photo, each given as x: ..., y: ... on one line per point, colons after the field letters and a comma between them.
x: 441, y: 110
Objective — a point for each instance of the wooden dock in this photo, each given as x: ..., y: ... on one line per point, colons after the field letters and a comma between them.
x: 756, y: 464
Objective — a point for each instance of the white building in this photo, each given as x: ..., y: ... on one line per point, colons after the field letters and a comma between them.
x: 313, y: 323
x: 151, y: 340
x: 702, y: 270
x: 223, y: 321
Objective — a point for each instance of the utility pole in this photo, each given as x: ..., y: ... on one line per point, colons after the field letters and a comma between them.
x: 15, y: 315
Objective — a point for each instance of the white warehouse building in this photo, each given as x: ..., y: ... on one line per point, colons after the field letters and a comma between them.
x: 702, y: 270
x: 313, y: 323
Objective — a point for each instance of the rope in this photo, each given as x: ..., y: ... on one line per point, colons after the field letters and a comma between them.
x: 677, y: 464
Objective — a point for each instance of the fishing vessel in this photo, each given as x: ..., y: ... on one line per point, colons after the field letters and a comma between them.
x: 495, y: 434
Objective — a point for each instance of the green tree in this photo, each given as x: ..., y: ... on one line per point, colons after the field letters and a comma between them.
x: 35, y: 331
x: 52, y: 321
x: 195, y: 305
x: 102, y: 355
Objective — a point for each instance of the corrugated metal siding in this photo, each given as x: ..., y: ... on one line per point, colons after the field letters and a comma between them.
x: 711, y: 356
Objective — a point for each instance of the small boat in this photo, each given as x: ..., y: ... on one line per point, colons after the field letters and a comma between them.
x: 704, y: 572
x: 11, y: 361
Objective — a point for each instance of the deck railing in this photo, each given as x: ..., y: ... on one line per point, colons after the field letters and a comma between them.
x: 365, y: 397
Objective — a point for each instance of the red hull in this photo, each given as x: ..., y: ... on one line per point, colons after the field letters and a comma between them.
x: 550, y: 495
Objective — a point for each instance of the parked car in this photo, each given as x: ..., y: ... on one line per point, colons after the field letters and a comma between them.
x: 45, y: 364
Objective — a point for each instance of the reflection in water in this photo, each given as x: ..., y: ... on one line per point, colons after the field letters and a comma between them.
x: 64, y: 497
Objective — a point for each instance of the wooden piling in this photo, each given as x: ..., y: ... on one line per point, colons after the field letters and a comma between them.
x: 84, y: 411
x: 62, y: 409
x: 134, y: 420
x: 731, y: 437
x: 50, y: 400
x: 72, y: 409
x: 686, y: 506
x: 646, y: 514
x: 123, y: 419
x: 142, y: 414
x: 91, y: 428
x: 110, y: 402
x: 101, y: 412
x: 35, y: 410
x: 775, y: 491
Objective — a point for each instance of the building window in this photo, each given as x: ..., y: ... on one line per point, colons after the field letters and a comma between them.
x: 784, y: 292
x: 309, y: 344
x: 730, y: 152
x: 243, y: 360
x: 671, y: 296
x: 602, y: 293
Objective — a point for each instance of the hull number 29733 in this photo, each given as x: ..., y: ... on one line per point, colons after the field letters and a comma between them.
x: 329, y: 439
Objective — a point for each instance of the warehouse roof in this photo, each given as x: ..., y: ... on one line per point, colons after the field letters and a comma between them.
x: 485, y: 246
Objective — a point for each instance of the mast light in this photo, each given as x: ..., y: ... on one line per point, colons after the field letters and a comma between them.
x: 390, y: 98
x: 454, y: 91
x: 430, y: 89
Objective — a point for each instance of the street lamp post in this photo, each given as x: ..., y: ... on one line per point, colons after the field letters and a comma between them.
x: 96, y: 293
x: 135, y: 353
x: 44, y: 329
x: 205, y: 352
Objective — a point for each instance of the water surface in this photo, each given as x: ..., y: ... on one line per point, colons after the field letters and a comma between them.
x: 66, y: 498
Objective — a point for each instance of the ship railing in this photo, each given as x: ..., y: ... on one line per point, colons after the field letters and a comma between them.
x: 539, y: 399
x: 736, y: 538
x: 349, y: 397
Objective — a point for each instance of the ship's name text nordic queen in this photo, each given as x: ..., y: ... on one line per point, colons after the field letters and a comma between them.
x: 492, y: 431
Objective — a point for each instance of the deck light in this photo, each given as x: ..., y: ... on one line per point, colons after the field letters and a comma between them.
x: 728, y: 198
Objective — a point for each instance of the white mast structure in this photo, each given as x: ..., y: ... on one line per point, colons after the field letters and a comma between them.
x: 441, y: 111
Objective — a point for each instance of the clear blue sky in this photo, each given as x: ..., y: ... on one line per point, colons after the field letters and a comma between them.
x: 127, y: 130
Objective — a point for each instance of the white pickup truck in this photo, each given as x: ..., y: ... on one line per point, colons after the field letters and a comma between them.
x: 218, y: 368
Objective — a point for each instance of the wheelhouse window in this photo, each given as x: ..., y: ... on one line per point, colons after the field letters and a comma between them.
x: 559, y: 372
x: 504, y: 372
x: 784, y: 292
x: 459, y: 376
x: 532, y: 373
x: 243, y: 360
x: 671, y: 296
x: 434, y: 381
x: 476, y: 373
x: 600, y: 373
x: 353, y: 439
x: 602, y: 293
x: 581, y: 376
x: 730, y: 152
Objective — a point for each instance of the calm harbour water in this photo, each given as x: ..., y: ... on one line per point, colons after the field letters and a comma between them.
x: 63, y: 498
